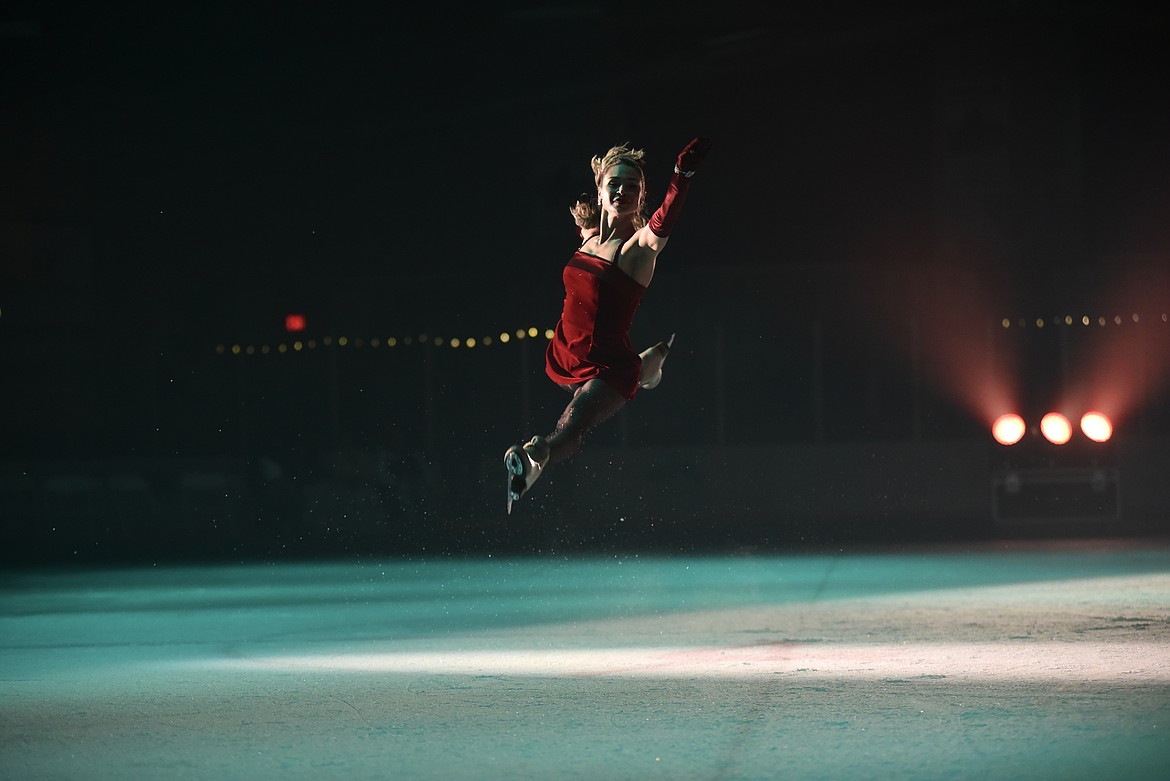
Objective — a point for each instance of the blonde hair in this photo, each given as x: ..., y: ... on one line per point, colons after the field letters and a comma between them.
x: 586, y: 211
x: 622, y: 153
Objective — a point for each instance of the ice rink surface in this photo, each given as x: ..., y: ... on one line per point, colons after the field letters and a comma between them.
x: 991, y: 661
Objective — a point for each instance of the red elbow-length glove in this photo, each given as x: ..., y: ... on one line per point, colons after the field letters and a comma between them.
x: 663, y: 219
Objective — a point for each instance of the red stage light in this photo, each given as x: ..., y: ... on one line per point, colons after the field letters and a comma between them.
x: 1096, y: 426
x: 1008, y: 429
x: 294, y: 323
x: 1056, y: 428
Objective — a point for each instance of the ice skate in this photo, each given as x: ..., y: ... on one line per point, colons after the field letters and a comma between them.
x: 652, y: 360
x: 524, y: 464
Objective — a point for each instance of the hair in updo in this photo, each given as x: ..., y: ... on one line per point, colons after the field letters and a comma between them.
x: 587, y: 211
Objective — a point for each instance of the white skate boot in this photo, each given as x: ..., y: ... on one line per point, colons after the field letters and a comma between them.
x: 652, y: 360
x: 524, y: 464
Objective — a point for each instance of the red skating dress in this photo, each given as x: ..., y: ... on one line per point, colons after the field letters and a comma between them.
x: 593, y: 335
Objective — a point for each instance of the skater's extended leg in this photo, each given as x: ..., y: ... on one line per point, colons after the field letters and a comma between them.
x: 593, y: 403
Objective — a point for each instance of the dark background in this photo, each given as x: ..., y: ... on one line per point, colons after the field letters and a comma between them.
x: 176, y: 178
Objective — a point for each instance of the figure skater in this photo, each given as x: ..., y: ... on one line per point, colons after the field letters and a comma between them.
x: 590, y: 354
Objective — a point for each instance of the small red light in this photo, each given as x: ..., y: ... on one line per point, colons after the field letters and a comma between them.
x: 294, y: 323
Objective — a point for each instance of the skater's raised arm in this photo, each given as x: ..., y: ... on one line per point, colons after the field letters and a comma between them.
x: 655, y: 234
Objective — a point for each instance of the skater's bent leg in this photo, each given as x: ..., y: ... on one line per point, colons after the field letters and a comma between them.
x: 593, y: 403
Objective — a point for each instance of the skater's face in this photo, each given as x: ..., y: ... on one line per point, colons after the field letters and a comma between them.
x: 621, y: 189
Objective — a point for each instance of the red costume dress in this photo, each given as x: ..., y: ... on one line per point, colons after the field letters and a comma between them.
x: 593, y: 335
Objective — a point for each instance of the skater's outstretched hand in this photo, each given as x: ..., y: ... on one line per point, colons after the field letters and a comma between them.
x: 692, y: 154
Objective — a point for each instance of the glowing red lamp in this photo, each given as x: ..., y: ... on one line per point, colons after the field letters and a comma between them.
x: 294, y: 323
x: 1008, y: 429
x: 1056, y: 428
x: 1096, y: 426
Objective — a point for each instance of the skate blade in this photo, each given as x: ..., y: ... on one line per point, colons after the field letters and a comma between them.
x: 515, y: 467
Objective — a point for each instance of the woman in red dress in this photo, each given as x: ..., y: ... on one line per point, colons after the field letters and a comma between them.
x: 590, y: 354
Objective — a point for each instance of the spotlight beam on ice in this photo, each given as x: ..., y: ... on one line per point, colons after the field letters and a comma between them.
x: 1050, y: 661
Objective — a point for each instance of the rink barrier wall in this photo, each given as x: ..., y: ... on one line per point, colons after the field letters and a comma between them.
x: 607, y: 498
